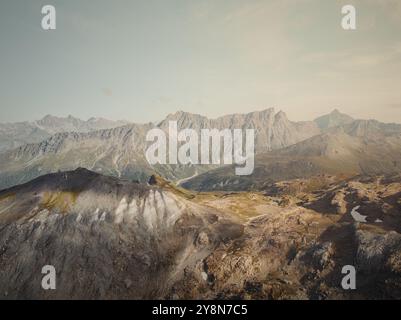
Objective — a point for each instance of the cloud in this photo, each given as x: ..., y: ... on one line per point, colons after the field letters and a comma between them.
x: 107, y: 92
x: 393, y: 106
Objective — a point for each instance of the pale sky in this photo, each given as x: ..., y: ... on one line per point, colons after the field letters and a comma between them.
x: 141, y: 60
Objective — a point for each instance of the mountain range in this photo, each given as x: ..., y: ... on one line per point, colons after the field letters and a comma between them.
x: 324, y: 194
x: 334, y: 143
x: 13, y: 135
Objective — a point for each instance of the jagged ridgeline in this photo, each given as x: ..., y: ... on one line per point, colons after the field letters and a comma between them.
x: 334, y: 144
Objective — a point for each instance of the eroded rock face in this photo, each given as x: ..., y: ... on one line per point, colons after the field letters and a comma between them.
x: 109, y: 238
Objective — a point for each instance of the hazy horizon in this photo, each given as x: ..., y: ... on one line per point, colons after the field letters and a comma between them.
x: 140, y: 61
x: 276, y: 110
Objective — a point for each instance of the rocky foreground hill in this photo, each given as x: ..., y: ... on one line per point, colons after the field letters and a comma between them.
x: 111, y: 238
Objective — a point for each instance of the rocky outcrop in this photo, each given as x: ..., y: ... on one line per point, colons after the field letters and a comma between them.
x: 112, y: 238
x: 106, y: 238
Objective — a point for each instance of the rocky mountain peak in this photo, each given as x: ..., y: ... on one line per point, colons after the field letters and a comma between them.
x: 281, y: 116
x: 333, y: 119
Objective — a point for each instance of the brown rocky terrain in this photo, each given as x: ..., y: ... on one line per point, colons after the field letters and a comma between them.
x: 110, y: 238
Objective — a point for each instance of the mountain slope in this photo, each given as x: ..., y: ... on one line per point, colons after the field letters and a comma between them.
x: 116, y: 152
x: 106, y: 237
x: 369, y: 128
x: 13, y: 135
x: 333, y: 119
x: 331, y: 153
x: 114, y: 239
